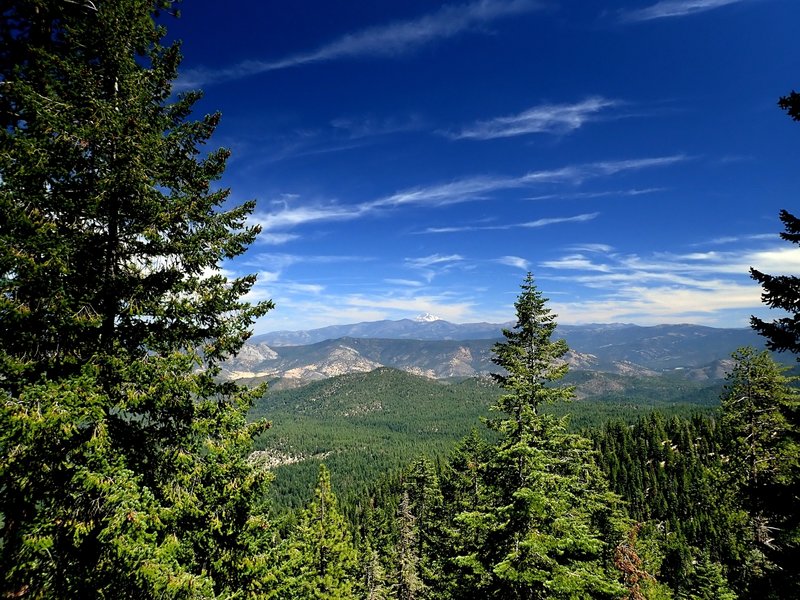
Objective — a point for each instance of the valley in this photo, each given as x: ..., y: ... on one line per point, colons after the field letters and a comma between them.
x: 367, y: 406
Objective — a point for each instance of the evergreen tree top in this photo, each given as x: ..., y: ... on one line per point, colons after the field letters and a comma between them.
x: 531, y: 360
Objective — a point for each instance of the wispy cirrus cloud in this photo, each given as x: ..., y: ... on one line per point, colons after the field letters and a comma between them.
x: 556, y: 220
x: 514, y: 261
x: 292, y: 216
x: 366, y: 127
x: 604, y: 194
x: 434, y: 259
x: 393, y: 39
x: 576, y: 262
x: 592, y: 247
x: 666, y: 287
x: 544, y: 118
x: 676, y: 268
x: 738, y: 239
x: 444, y: 307
x: 467, y: 189
x: 461, y: 190
x: 276, y: 239
x: 338, y: 135
x: 674, y: 8
x: 506, y: 226
x: 434, y: 264
x: 272, y: 265
x: 405, y: 282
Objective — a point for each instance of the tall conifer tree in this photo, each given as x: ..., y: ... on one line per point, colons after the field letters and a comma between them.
x: 764, y: 454
x: 550, y: 522
x: 783, y: 292
x: 318, y: 560
x: 122, y: 457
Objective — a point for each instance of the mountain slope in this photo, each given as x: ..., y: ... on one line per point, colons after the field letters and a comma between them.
x: 692, y: 351
x: 363, y: 425
x: 423, y: 328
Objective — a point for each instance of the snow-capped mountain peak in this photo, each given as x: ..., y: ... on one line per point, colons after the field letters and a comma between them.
x: 426, y: 318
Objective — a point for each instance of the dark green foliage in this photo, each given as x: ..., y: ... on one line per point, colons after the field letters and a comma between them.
x: 409, y: 584
x: 541, y: 523
x: 530, y: 360
x: 761, y: 442
x: 718, y: 496
x: 670, y: 472
x: 707, y: 582
x: 123, y: 460
x: 362, y: 426
x: 125, y: 463
x: 318, y: 559
x: 602, y: 397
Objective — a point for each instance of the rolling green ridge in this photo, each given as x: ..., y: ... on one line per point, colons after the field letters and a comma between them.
x: 365, y: 425
x: 362, y: 425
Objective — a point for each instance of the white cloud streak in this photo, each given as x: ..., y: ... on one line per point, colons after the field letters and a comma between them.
x: 738, y: 239
x: 394, y: 39
x: 545, y: 118
x: 591, y: 247
x: 591, y: 195
x: 529, y: 224
x: 443, y: 307
x: 336, y: 308
x: 556, y: 220
x: 405, y: 282
x: 458, y: 191
x: 674, y: 8
x: 300, y: 215
x: 276, y: 239
x: 433, y: 265
x: 514, y: 261
x: 434, y: 259
x: 667, y: 287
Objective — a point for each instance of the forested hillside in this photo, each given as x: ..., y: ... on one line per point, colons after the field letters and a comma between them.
x: 365, y: 425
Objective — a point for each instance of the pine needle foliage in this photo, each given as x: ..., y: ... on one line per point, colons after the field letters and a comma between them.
x: 544, y: 523
x: 123, y: 459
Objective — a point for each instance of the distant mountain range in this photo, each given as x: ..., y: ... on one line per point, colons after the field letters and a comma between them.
x: 438, y: 349
x: 424, y: 327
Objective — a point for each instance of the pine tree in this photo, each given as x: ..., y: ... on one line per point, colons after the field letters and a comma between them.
x: 466, y: 510
x: 764, y: 454
x: 550, y: 522
x: 374, y: 576
x: 409, y: 584
x: 425, y: 504
x: 123, y: 458
x: 530, y: 360
x: 318, y: 560
x: 707, y: 582
x: 783, y: 292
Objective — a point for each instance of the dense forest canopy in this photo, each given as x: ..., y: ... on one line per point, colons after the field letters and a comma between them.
x: 127, y: 467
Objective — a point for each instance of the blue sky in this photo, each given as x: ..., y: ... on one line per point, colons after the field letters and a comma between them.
x: 412, y: 157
